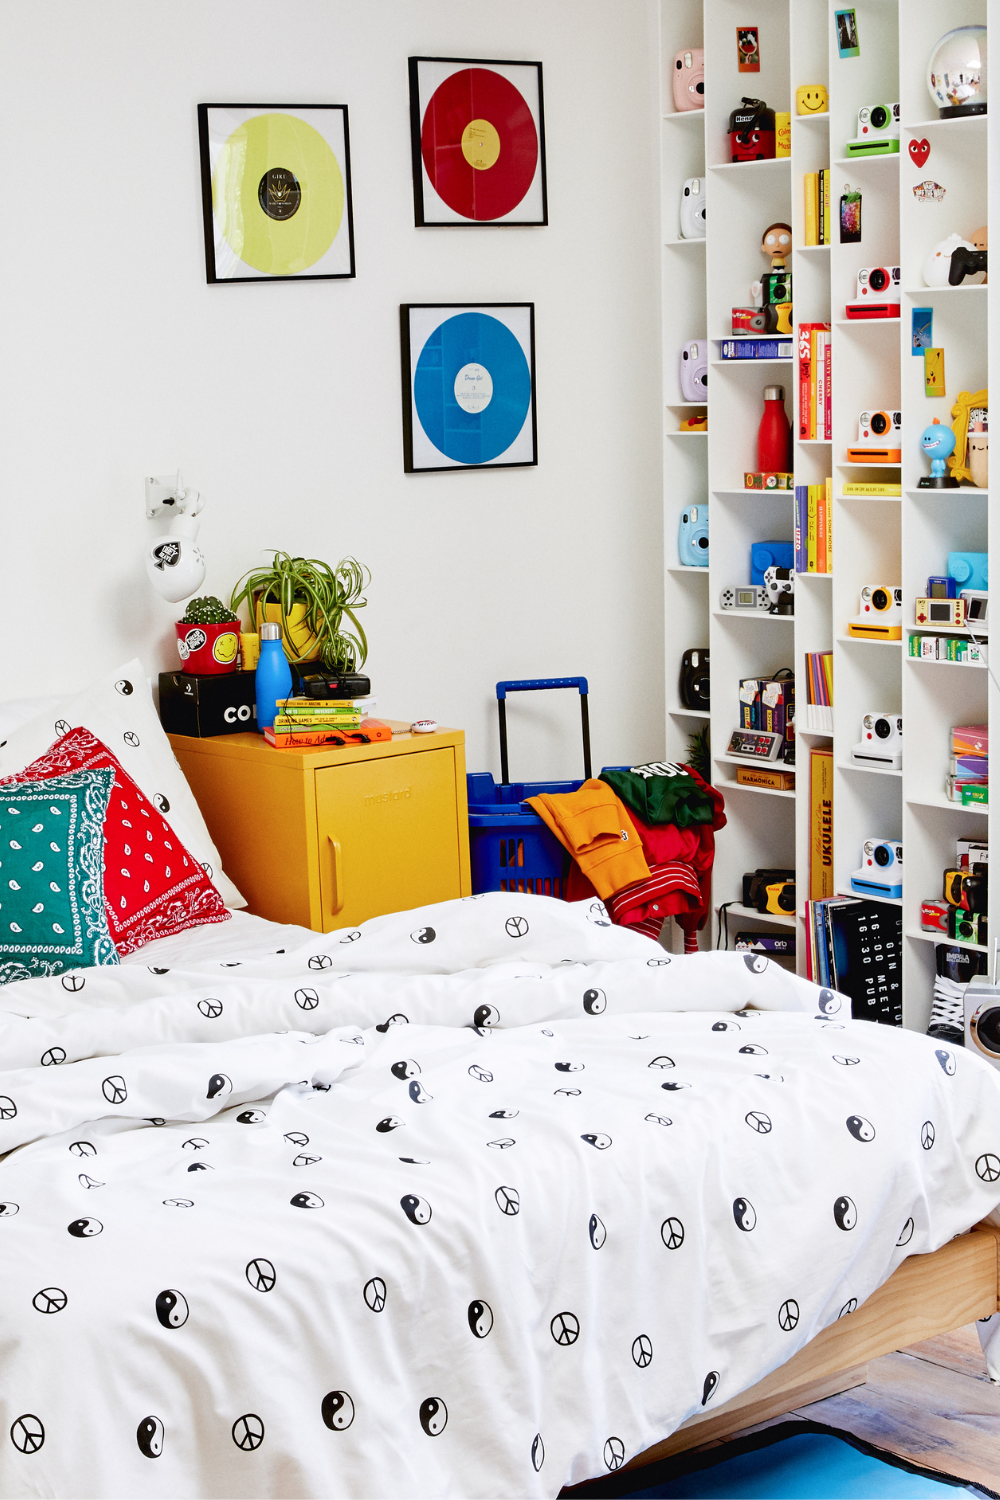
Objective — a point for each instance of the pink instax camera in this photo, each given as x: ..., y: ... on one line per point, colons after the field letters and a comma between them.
x: 689, y: 79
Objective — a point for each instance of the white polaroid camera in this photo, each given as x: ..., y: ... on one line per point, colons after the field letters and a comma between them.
x: 692, y: 213
x: 982, y: 1019
x: 881, y: 742
x: 881, y: 872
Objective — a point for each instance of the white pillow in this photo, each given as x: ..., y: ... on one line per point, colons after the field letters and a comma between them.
x: 119, y: 710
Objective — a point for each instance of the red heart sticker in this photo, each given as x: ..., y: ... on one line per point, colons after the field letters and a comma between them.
x: 920, y: 151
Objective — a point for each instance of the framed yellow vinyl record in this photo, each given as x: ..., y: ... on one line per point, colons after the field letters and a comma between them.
x: 276, y: 191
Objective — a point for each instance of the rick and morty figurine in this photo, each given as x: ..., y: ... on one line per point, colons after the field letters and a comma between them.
x: 938, y: 442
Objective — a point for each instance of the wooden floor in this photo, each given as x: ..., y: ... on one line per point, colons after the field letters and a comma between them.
x: 933, y: 1404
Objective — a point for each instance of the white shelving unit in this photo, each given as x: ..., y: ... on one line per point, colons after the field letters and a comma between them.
x: 878, y: 540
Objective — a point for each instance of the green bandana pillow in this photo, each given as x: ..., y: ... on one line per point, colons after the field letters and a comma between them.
x: 51, y: 875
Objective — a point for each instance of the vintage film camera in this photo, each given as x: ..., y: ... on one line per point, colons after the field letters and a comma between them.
x: 881, y: 614
x: 694, y: 370
x: 878, y: 293
x: 968, y: 890
x: 881, y: 742
x: 878, y: 131
x: 692, y: 210
x: 694, y: 683
x: 881, y: 872
x: 692, y: 538
x: 770, y: 890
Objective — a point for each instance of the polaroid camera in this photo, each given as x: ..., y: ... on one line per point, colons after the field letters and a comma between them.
x: 694, y: 370
x: 692, y: 538
x: 878, y: 131
x: 692, y: 214
x: 878, y: 293
x: 881, y: 743
x: 881, y: 614
x: 881, y: 872
x: 982, y: 1019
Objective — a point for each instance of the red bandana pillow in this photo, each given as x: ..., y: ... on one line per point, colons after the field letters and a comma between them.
x: 152, y: 886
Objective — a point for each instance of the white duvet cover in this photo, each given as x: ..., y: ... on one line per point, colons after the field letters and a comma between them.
x: 477, y: 1200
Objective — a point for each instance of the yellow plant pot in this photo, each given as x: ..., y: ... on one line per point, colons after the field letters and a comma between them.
x: 300, y: 642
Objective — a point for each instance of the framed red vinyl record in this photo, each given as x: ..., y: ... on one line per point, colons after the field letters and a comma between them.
x: 478, y: 141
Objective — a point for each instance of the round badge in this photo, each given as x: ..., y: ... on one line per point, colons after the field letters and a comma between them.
x: 479, y: 144
x: 225, y: 647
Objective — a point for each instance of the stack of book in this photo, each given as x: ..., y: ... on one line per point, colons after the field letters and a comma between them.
x: 814, y: 527
x: 815, y: 388
x: 313, y: 721
x: 769, y: 703
x: 819, y: 692
x: 855, y: 947
x: 969, y: 779
x: 817, y: 207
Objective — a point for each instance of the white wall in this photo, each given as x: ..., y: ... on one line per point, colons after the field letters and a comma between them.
x: 281, y: 401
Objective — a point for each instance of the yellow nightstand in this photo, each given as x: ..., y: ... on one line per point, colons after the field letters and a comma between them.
x: 329, y: 837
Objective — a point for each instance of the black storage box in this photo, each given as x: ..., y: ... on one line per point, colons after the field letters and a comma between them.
x: 203, y: 704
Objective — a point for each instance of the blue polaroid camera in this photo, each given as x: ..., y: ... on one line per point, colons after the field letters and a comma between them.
x: 969, y: 569
x: 764, y: 555
x: 692, y: 539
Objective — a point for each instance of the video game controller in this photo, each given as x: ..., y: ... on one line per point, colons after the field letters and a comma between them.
x: 779, y: 586
x: 963, y: 262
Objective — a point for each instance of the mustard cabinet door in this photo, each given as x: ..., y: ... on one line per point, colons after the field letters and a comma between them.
x: 388, y: 836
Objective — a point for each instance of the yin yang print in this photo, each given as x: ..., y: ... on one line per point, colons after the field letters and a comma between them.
x: 369, y: 1197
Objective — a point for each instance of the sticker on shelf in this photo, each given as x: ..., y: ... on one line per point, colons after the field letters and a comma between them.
x: 928, y: 191
x: 846, y: 23
x: 923, y: 324
x: 920, y: 151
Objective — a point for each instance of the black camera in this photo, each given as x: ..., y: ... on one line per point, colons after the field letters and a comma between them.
x: 324, y: 684
x: 968, y: 890
x: 694, y: 686
x: 755, y: 888
x: 966, y: 263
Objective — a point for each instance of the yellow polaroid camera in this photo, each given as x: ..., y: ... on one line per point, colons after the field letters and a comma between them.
x: 881, y: 615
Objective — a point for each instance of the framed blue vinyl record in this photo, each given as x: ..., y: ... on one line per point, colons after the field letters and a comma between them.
x: 468, y: 385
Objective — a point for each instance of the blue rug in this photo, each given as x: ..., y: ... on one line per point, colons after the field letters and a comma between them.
x: 791, y: 1461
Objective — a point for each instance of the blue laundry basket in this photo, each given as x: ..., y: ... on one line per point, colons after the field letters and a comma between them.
x: 510, y: 846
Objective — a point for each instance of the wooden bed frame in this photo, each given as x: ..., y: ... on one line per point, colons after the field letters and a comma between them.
x: 926, y: 1295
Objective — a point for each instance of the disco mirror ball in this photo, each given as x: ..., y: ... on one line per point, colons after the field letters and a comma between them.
x: 956, y: 73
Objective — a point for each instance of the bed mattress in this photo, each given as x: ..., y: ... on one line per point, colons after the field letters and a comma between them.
x: 477, y: 1200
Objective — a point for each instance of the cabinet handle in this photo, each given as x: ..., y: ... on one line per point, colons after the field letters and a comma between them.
x: 338, y: 878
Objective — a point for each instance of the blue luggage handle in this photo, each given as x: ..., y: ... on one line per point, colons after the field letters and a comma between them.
x: 534, y: 685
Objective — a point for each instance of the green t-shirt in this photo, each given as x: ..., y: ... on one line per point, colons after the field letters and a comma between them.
x: 662, y: 793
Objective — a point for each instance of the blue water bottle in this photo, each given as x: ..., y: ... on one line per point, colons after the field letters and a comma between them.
x: 273, y: 678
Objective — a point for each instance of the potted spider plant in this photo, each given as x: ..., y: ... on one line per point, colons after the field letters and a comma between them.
x: 315, y: 604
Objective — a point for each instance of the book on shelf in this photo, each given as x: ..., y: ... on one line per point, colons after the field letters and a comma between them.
x: 815, y: 395
x: 862, y: 487
x: 824, y: 199
x: 811, y: 188
x: 820, y: 823
x: 819, y: 678
x: 325, y: 708
x: 855, y: 948
x: 814, y: 527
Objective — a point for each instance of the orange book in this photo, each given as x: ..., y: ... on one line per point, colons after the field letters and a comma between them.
x: 371, y: 732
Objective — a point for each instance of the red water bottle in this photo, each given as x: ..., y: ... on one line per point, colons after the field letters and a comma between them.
x: 774, y: 435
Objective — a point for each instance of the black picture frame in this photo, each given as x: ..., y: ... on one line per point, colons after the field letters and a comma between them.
x: 416, y: 442
x: 425, y: 214
x: 208, y: 211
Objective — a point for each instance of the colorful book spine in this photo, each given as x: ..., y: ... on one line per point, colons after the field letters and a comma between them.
x: 327, y: 707
x: 820, y: 207
x: 829, y: 525
x: 751, y: 347
x: 801, y: 502
x: 820, y: 824
x: 826, y: 206
x: 811, y: 531
x: 863, y: 487
x: 805, y: 380
x: 827, y: 388
x: 821, y: 563
x: 819, y: 366
x: 811, y: 183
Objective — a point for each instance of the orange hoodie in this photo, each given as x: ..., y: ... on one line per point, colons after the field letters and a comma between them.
x: 599, y: 834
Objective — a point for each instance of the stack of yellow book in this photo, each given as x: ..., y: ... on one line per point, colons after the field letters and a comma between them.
x: 310, y: 721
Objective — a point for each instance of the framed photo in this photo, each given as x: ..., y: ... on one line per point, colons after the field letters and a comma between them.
x: 478, y: 136
x: 846, y: 22
x: 468, y: 385
x: 276, y: 191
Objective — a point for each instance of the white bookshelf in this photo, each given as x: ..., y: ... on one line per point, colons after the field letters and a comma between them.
x: 892, y: 541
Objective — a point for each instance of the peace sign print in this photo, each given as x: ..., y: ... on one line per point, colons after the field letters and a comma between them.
x: 565, y: 1328
x: 758, y: 1121
x: 927, y: 1135
x: 614, y: 1453
x: 51, y: 1299
x: 988, y: 1167
x: 349, y: 937
x: 8, y: 1109
x: 89, y: 1182
x: 433, y: 1416
x: 515, y: 927
x: 788, y: 1315
x: 482, y: 1075
x: 375, y: 1294
x: 672, y: 1233
x: 503, y: 1143
x: 114, y: 1089
x: 305, y: 1160
x: 131, y: 739
x: 662, y: 1062
x: 27, y: 1433
x: 61, y: 727
x: 906, y: 1234
x: 178, y: 1203
x: 248, y: 1432
x: 337, y: 1410
x: 52, y: 1057
x: 72, y: 982
x: 320, y: 961
x: 642, y: 1351
x: 149, y: 1436
x: 595, y: 1002
x: 851, y: 1305
x: 508, y: 1201
x: 297, y: 1138
x: 306, y: 999
x: 194, y: 1143
x: 212, y: 1009
x: 845, y: 1062
x: 261, y: 1274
